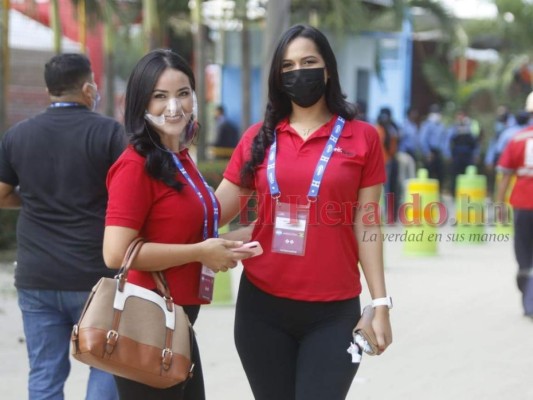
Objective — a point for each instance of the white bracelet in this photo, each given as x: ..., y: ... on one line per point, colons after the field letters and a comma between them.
x: 382, y: 301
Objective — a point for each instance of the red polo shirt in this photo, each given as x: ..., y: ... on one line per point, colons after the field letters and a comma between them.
x: 161, y: 215
x: 518, y: 158
x: 329, y: 269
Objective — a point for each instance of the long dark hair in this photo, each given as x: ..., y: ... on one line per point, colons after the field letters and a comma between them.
x: 279, y: 105
x: 145, y: 140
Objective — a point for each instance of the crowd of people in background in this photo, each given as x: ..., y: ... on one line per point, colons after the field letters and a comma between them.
x: 444, y: 147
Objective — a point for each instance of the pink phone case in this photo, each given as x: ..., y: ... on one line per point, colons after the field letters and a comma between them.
x: 252, y: 248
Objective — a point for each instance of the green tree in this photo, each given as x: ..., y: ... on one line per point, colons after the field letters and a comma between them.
x: 357, y: 16
x: 514, y: 29
x: 510, y: 33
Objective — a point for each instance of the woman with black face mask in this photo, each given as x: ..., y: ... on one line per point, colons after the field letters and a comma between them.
x: 316, y: 173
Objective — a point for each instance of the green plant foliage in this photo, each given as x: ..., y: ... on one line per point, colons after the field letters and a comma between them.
x: 440, y: 77
x: 511, y: 34
x: 212, y: 171
x: 129, y: 49
x: 336, y: 15
x: 519, y: 30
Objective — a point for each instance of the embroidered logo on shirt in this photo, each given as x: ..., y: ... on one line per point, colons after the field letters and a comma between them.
x: 340, y: 150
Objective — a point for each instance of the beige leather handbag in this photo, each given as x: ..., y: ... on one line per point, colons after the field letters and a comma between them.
x: 134, y: 332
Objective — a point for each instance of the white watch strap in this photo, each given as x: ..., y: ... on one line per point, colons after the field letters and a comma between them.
x: 382, y: 301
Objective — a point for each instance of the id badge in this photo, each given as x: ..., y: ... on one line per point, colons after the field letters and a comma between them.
x: 290, y: 229
x: 207, y: 284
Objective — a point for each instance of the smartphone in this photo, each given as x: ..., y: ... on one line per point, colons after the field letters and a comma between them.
x: 252, y: 248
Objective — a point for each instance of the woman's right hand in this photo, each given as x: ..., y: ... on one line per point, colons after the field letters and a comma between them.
x: 216, y: 254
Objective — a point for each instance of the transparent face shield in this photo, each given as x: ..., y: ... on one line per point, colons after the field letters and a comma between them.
x: 175, y: 109
x: 171, y: 111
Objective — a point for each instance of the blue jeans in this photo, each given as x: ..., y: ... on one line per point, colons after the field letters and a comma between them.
x: 48, y: 317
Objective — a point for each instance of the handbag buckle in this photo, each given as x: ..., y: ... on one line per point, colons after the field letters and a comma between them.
x: 112, y: 337
x: 169, y: 302
x: 121, y: 281
x: 190, y: 370
x: 112, y: 334
x: 166, y: 356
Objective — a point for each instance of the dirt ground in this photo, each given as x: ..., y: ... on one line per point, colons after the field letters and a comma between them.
x: 458, y: 328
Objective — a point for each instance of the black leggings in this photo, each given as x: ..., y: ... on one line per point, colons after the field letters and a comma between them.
x: 523, y: 238
x: 193, y: 389
x: 295, y: 350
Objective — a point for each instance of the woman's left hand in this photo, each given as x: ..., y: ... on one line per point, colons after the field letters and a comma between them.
x: 382, y: 328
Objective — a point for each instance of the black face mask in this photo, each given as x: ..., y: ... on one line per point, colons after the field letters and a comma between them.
x: 304, y: 86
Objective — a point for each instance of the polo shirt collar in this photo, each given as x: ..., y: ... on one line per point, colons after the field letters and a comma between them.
x: 284, y: 127
x: 183, y: 154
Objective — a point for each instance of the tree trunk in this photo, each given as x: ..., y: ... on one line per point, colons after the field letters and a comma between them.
x: 4, y: 64
x: 55, y: 22
x: 199, y: 72
x: 109, y: 47
x: 246, y: 81
x: 82, y: 26
x: 151, y: 25
x: 277, y: 22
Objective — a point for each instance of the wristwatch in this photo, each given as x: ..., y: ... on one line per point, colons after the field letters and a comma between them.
x: 382, y: 301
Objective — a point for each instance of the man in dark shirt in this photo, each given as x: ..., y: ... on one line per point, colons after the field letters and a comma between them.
x: 463, y: 145
x: 54, y: 166
x: 227, y: 135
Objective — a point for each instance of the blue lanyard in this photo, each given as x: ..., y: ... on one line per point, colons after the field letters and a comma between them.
x: 186, y: 175
x: 58, y: 104
x: 320, y: 166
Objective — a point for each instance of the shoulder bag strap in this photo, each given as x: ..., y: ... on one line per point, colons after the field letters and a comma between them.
x: 131, y: 253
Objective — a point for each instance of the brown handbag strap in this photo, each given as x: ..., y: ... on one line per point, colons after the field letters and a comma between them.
x: 131, y: 252
x: 158, y: 276
x: 162, y: 286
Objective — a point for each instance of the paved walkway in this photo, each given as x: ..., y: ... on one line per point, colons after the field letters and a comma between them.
x: 459, y: 334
